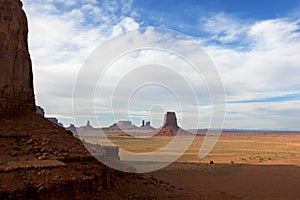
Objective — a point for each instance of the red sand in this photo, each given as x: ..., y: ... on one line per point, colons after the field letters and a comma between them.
x: 234, y: 181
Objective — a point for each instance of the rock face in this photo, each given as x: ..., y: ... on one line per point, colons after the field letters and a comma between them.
x: 16, y: 81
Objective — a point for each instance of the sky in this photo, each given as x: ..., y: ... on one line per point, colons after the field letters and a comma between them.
x: 254, y: 46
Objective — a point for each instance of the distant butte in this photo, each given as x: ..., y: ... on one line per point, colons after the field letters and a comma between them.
x: 170, y: 126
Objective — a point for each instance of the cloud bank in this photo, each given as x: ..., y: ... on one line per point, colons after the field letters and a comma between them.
x: 257, y: 59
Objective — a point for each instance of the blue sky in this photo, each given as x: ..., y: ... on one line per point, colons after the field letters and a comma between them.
x: 253, y: 44
x: 189, y: 13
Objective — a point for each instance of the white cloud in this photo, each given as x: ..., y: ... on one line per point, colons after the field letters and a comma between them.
x: 61, y: 36
x: 128, y: 73
x: 264, y: 65
x: 224, y: 28
x: 125, y: 25
x: 275, y: 33
x: 269, y: 68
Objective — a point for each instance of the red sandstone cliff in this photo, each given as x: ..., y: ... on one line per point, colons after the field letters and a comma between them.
x: 16, y: 80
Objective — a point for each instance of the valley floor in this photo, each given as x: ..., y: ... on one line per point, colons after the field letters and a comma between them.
x: 246, y: 166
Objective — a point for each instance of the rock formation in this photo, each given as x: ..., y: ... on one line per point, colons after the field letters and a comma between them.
x: 170, y: 126
x: 146, y: 126
x: 16, y: 81
x: 170, y: 120
x: 72, y: 128
x: 128, y: 126
x: 86, y: 128
x: 122, y: 126
x: 55, y: 121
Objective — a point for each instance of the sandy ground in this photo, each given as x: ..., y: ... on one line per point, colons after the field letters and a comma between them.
x: 246, y: 166
x: 277, y: 176
x: 234, y: 181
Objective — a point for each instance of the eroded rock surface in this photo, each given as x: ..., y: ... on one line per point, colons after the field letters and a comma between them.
x: 16, y: 80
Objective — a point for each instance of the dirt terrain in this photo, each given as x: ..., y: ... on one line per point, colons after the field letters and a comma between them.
x: 234, y: 181
x: 265, y: 166
x: 257, y: 148
x: 246, y: 166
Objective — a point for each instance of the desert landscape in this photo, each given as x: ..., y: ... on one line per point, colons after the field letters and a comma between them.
x: 243, y: 164
x: 42, y: 159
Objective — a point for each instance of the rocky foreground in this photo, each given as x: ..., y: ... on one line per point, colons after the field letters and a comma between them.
x: 39, y: 160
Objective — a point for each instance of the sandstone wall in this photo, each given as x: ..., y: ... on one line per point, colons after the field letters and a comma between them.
x: 16, y: 79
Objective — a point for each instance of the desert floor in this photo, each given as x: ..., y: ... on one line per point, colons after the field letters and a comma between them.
x: 246, y: 166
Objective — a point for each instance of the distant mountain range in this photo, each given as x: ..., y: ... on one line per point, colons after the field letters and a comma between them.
x: 117, y: 127
x: 128, y: 126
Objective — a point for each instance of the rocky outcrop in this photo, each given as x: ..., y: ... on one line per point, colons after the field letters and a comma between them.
x: 122, y: 126
x: 16, y: 80
x: 72, y: 128
x: 87, y: 128
x: 146, y: 126
x: 55, y: 121
x: 40, y: 160
x: 170, y: 120
x: 170, y: 126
